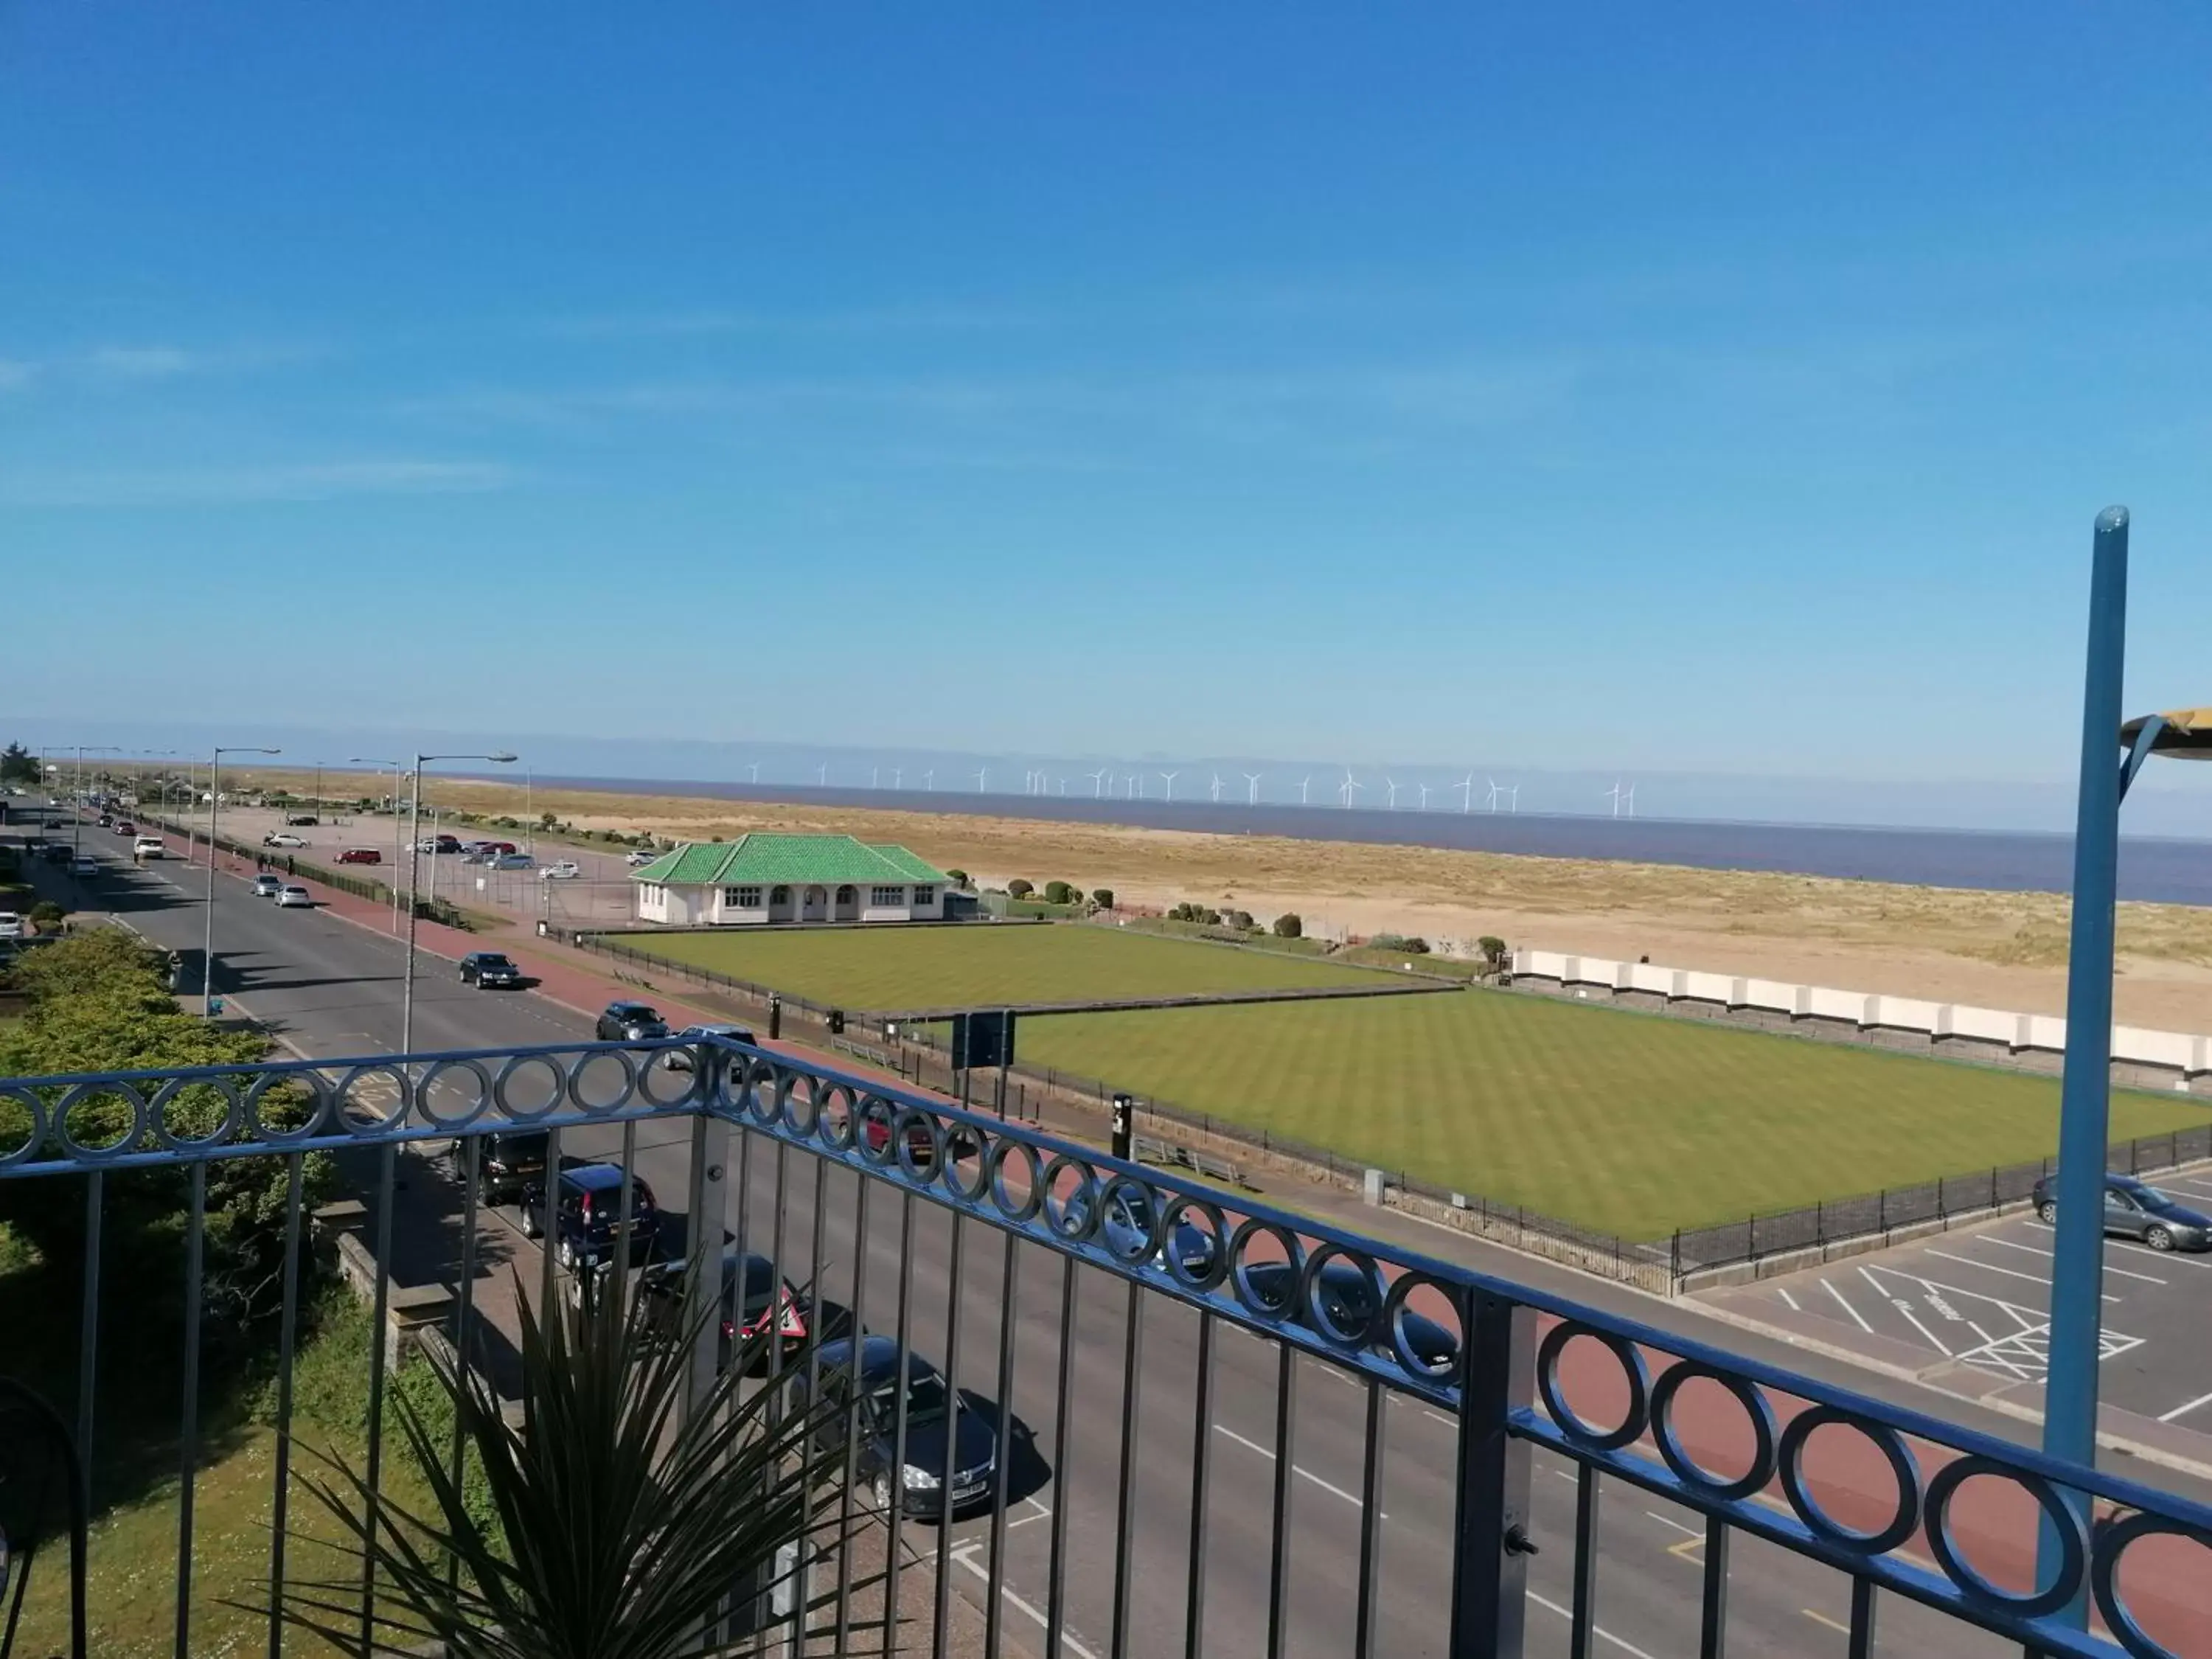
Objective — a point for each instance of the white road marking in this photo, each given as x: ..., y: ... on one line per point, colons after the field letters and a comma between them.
x: 1600, y: 1631
x: 1664, y: 1521
x: 1990, y: 1347
x: 1847, y: 1307
x: 1969, y: 1261
x: 1038, y: 1512
x: 2118, y: 1273
x: 966, y: 1555
x: 2183, y: 1410
x: 1788, y: 1298
x: 1268, y: 1453
x: 2167, y: 1259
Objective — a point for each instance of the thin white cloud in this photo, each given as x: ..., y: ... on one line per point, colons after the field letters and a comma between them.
x: 310, y: 482
x: 141, y: 362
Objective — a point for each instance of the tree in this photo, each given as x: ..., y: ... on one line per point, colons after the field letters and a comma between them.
x: 1019, y: 888
x: 617, y: 1535
x: 1493, y: 951
x: 1059, y: 892
x: 958, y: 879
x: 547, y: 820
x: 18, y: 765
x: 1288, y: 925
x: 1103, y: 898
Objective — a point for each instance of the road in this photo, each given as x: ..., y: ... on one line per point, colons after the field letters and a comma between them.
x: 330, y: 987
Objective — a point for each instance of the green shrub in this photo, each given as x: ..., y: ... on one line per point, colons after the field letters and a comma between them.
x: 1103, y: 898
x: 1404, y: 944
x: 1019, y: 888
x: 1289, y: 925
x: 1061, y: 892
x: 958, y: 879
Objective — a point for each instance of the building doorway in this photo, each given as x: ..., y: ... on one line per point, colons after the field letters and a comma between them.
x: 815, y: 907
x: 779, y: 904
x: 848, y: 904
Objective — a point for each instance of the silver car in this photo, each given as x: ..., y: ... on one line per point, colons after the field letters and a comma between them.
x: 268, y: 886
x: 295, y: 898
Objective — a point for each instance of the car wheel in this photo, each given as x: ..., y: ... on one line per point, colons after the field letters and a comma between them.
x: 565, y: 1254
x: 883, y: 1490
x: 2048, y: 1211
x: 2159, y: 1239
x: 529, y: 1228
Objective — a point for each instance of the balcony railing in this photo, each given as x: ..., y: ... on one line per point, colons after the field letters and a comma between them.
x: 1228, y: 1429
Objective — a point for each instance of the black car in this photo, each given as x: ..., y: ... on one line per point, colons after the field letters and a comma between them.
x: 486, y: 968
x: 56, y: 852
x: 872, y: 1377
x: 679, y: 1060
x: 510, y: 1164
x: 1350, y: 1300
x: 765, y: 1304
x: 2135, y: 1209
x: 590, y: 1215
x: 630, y: 1021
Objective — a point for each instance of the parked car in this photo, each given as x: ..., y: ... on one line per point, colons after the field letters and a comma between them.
x: 486, y: 968
x: 278, y: 838
x: 448, y: 844
x: 509, y: 1163
x: 361, y: 855
x: 629, y: 1022
x: 754, y: 1299
x: 302, y: 820
x: 562, y: 870
x: 869, y: 1377
x: 501, y: 847
x: 295, y: 898
x: 2136, y: 1209
x: 511, y: 861
x: 11, y: 925
x: 1348, y: 1296
x: 268, y: 886
x: 679, y: 1060
x: 588, y: 1214
x: 149, y: 847
x: 876, y: 1121
x: 641, y: 856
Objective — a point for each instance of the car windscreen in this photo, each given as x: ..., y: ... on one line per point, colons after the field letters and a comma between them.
x: 2162, y: 1203
x: 490, y: 960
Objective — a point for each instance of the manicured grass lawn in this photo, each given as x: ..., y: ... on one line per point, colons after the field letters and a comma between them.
x: 989, y: 966
x: 1631, y: 1123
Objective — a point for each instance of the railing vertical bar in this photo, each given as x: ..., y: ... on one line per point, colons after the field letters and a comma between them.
x: 464, y: 1314
x: 1862, y: 1620
x: 941, y: 1612
x: 87, y: 1357
x: 894, y: 1478
x: 1057, y: 1571
x: 1370, y: 1523
x: 1491, y: 1504
x: 189, y: 1423
x: 372, y: 1473
x: 1712, y: 1610
x: 1201, y: 1466
x: 1009, y: 1308
x: 549, y: 1221
x: 1278, y: 1539
x: 1125, y: 1504
x: 853, y: 1397
x: 287, y: 1339
x: 625, y: 1223
x: 1588, y: 1496
x: 775, y: 1260
x: 800, y: 1609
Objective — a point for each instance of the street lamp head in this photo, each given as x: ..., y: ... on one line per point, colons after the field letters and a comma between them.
x: 2184, y: 733
x: 503, y: 758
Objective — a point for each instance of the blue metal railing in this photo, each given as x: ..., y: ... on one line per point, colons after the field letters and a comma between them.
x: 1509, y: 1371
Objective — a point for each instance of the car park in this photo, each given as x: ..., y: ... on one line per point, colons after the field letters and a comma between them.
x: 268, y: 886
x: 2136, y: 1209
x: 278, y: 838
x: 870, y: 1376
x: 588, y: 1215
x: 149, y: 847
x: 361, y: 855
x: 679, y: 1060
x: 755, y: 1303
x: 563, y: 870
x: 487, y: 969
x: 629, y: 1022
x: 295, y: 898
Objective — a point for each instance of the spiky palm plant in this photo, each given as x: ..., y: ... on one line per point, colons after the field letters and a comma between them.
x: 624, y: 1525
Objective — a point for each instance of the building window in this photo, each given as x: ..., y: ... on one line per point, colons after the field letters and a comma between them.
x: 742, y: 899
x: 924, y: 896
x: 845, y: 894
x: 881, y: 897
x: 779, y: 896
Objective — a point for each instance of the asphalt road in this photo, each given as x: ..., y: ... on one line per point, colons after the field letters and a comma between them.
x: 332, y: 988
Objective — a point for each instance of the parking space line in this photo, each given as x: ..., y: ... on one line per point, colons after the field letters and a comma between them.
x: 1788, y: 1298
x: 1823, y: 1619
x: 2165, y: 1259
x: 2183, y: 1410
x: 1600, y: 1631
x: 2014, y: 1244
x: 966, y: 1555
x: 1859, y: 1317
x: 1987, y: 1267
x: 1269, y: 1452
x: 1664, y: 1521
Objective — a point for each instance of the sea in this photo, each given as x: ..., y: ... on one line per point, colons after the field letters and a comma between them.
x: 2155, y: 870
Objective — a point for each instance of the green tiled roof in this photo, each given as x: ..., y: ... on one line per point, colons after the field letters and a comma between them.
x: 766, y: 859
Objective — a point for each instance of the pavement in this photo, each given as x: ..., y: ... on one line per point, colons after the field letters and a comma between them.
x: 327, y: 983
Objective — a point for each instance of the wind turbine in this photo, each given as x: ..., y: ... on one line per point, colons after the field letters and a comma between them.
x: 1217, y: 788
x: 1423, y: 788
x: 1467, y: 793
x: 929, y: 781
x: 1252, y: 782
x: 1304, y: 785
x: 1391, y: 784
x: 898, y: 776
x: 755, y: 770
x: 1063, y: 788
x: 1169, y: 779
x: 1490, y: 800
x: 1630, y: 799
x: 1351, y: 788
x: 826, y: 775
x: 875, y: 775
x: 1097, y: 782
x: 1513, y: 798
x: 1614, y: 795
x: 982, y: 774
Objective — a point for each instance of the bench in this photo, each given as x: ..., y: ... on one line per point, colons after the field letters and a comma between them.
x: 876, y: 1057
x: 1147, y: 1150
x: 1215, y: 1168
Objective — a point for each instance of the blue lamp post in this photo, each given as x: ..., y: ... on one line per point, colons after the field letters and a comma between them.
x: 2113, y: 752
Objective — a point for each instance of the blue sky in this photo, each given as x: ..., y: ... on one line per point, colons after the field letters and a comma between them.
x: 1727, y: 388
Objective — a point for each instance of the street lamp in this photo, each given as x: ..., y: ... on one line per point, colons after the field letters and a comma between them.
x: 214, y: 805
x: 76, y: 806
x: 397, y: 767
x: 414, y: 860
x: 2077, y: 1341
